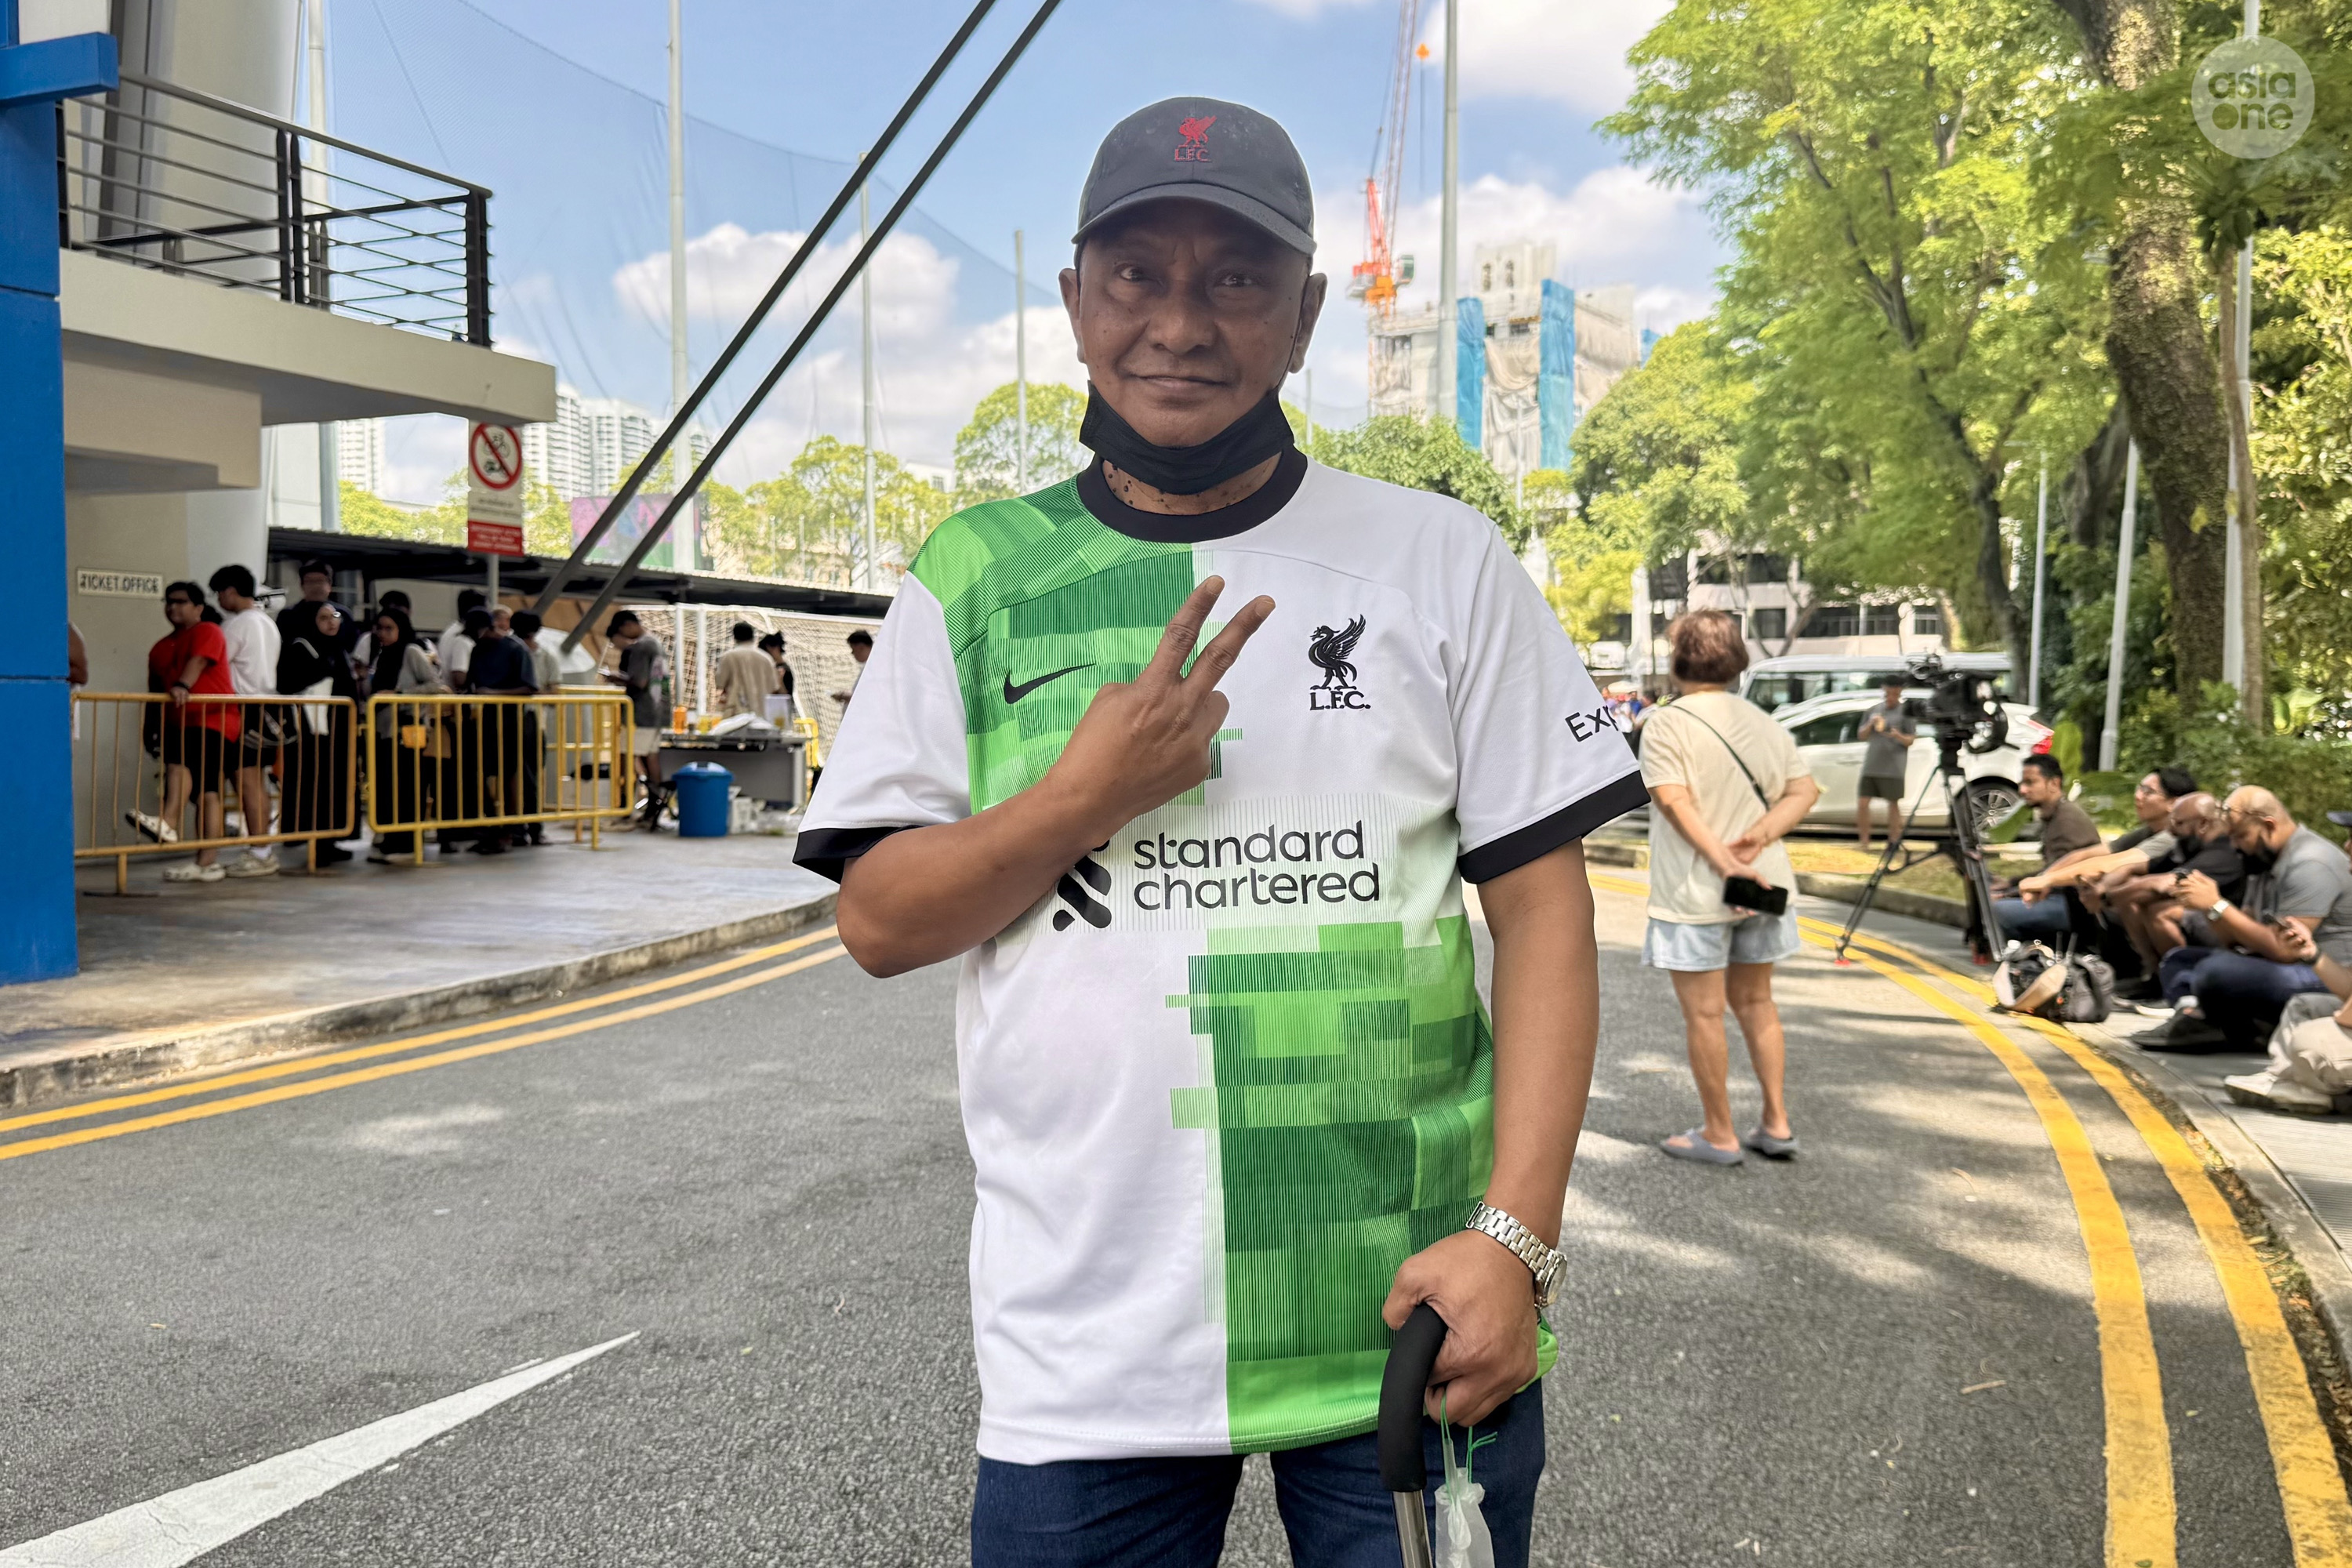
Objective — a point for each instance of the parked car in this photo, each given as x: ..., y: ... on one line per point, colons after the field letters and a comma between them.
x: 1824, y: 730
x: 1774, y: 683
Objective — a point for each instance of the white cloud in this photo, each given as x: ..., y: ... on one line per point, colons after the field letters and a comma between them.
x: 728, y: 268
x: 1306, y: 10
x: 1614, y: 226
x: 928, y: 383
x: 1573, y: 53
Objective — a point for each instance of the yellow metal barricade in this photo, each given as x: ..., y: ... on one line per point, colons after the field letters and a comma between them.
x: 153, y: 776
x: 439, y: 762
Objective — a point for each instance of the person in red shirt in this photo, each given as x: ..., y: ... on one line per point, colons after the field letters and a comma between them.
x: 197, y: 735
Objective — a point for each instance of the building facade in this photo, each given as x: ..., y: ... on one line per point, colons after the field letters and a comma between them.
x: 1778, y: 613
x: 1535, y: 355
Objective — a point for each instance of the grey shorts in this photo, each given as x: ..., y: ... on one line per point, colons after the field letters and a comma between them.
x: 1884, y: 786
x: 1692, y: 948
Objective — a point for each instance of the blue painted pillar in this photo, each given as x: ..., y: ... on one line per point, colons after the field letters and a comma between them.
x: 36, y: 909
x: 1470, y: 370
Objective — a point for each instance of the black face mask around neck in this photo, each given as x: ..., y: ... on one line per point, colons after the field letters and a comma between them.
x: 1260, y: 433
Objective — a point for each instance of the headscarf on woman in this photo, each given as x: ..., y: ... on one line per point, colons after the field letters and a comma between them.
x: 313, y: 655
x: 384, y: 672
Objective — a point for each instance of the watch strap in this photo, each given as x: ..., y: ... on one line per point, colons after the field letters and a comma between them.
x: 1544, y: 1263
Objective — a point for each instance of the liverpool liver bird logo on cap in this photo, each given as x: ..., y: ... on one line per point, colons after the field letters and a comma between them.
x: 1195, y: 130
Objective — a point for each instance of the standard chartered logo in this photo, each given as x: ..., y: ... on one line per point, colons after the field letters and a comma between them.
x: 1266, y: 867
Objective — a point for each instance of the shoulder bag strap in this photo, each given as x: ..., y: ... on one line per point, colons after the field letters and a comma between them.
x: 1761, y: 799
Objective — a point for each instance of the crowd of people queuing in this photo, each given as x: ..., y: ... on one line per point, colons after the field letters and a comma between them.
x: 285, y: 764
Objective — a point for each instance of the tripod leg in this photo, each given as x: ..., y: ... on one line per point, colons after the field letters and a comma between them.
x: 1984, y: 929
x: 1886, y: 859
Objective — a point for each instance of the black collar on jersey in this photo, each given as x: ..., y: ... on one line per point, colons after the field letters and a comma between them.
x: 1194, y: 528
x: 1186, y: 470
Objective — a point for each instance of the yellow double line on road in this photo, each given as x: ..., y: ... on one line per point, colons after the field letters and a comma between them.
x: 295, y: 1065
x: 2141, y: 1518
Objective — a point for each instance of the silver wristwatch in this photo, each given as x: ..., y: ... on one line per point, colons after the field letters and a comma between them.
x: 1544, y: 1263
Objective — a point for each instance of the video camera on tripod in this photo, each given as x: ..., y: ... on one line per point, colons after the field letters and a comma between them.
x: 1965, y: 711
x: 1963, y: 707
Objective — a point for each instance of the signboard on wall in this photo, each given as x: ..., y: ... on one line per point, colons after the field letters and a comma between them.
x: 495, y: 539
x: 92, y: 582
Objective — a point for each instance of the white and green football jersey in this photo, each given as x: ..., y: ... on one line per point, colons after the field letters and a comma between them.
x: 1225, y: 1077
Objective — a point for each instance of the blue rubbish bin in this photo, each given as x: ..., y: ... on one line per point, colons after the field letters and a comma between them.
x: 702, y: 800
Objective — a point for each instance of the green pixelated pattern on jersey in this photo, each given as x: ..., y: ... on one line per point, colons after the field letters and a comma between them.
x: 1352, y: 1119
x: 1033, y: 585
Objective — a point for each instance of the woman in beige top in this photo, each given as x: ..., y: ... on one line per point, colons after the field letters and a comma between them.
x: 1725, y: 783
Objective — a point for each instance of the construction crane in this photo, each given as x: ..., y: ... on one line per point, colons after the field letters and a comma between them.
x: 1375, y: 279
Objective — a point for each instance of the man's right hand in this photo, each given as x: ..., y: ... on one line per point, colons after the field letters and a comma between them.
x: 1143, y: 743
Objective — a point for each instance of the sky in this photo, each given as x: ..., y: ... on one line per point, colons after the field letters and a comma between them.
x: 557, y: 105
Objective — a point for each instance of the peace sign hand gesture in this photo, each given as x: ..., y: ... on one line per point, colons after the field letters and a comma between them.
x: 1144, y: 742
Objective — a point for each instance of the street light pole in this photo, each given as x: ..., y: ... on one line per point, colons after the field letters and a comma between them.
x: 1020, y: 367
x: 680, y: 384
x: 2110, y: 732
x: 314, y: 191
x: 865, y: 333
x: 1450, y: 176
x: 2041, y: 569
x: 2234, y: 565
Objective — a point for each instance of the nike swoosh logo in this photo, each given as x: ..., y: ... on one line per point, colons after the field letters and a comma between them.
x: 1015, y: 693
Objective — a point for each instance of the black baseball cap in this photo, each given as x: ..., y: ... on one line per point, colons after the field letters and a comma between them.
x: 1202, y: 150
x: 2341, y: 818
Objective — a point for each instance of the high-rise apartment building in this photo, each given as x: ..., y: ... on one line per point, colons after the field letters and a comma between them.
x: 359, y: 454
x: 591, y: 444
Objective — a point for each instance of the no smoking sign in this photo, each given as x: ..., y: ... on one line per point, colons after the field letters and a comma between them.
x: 494, y: 475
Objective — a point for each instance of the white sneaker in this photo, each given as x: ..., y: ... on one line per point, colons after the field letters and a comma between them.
x: 252, y: 866
x: 191, y: 872
x: 153, y: 826
x: 2271, y: 1092
x: 2153, y: 1009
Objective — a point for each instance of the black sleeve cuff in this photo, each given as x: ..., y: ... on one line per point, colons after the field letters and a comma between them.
x: 827, y: 851
x: 1566, y: 825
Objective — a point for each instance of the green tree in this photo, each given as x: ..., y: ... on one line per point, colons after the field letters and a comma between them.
x: 987, y: 449
x: 1899, y: 306
x: 2303, y: 465
x: 1426, y: 455
x: 364, y: 512
x: 808, y: 524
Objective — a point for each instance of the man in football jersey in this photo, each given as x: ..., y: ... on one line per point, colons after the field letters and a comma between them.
x: 1233, y: 1101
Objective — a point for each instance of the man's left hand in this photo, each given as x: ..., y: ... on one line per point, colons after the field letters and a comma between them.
x: 1487, y: 1299
x: 2198, y: 892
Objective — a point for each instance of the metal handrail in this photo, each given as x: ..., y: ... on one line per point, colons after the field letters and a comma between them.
x: 256, y: 209
x: 244, y: 111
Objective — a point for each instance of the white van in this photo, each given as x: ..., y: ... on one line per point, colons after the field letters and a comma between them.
x: 1775, y: 683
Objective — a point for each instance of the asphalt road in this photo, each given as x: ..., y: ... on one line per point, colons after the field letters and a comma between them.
x: 1885, y: 1353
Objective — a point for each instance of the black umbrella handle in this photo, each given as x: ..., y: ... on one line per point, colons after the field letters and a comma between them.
x: 1411, y: 1358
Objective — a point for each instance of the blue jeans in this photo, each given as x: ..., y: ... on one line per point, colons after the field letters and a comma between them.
x: 2237, y: 992
x: 1170, y: 1513
x: 2047, y: 916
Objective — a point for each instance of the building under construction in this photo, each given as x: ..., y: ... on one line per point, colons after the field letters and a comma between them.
x: 1534, y: 356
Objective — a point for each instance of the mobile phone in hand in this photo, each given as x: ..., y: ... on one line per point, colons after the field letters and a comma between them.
x: 1747, y: 893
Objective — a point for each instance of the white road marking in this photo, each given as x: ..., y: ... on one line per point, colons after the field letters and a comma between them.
x: 181, y: 1526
